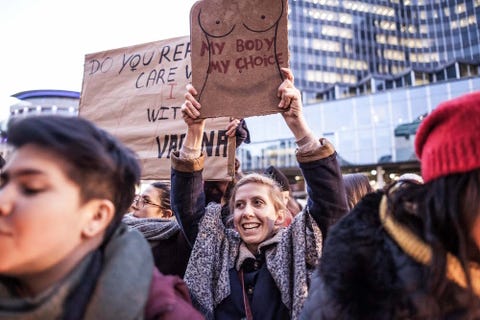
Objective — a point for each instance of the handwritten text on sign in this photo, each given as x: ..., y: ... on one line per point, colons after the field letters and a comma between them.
x: 136, y: 94
x: 167, y: 55
x: 238, y: 50
x: 253, y: 59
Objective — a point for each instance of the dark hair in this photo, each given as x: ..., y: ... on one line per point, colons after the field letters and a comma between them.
x: 442, y: 212
x: 357, y: 185
x: 2, y: 162
x: 97, y: 162
x: 164, y: 194
x: 279, y: 177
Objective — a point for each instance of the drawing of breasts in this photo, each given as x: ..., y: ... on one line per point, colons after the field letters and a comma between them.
x: 236, y: 44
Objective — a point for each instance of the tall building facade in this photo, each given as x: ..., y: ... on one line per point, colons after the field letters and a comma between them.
x: 342, y: 48
x: 369, y: 72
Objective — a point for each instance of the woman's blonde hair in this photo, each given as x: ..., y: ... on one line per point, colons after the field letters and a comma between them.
x: 275, y: 191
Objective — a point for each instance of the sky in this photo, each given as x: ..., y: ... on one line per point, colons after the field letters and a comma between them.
x: 44, y: 42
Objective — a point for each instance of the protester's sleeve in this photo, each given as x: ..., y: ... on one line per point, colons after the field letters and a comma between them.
x: 169, y: 299
x: 325, y: 187
x: 187, y: 195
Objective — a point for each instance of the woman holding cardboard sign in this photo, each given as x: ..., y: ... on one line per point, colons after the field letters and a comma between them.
x: 259, y: 269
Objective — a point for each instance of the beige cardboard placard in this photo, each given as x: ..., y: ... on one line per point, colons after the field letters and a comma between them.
x: 136, y: 93
x: 238, y: 48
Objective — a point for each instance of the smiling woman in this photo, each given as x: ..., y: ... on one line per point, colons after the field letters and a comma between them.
x: 258, y: 210
x: 259, y: 269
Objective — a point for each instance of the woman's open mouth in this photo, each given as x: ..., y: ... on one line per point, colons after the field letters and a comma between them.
x: 250, y: 226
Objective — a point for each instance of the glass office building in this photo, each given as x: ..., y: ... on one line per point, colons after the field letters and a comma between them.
x: 340, y: 48
x: 369, y: 72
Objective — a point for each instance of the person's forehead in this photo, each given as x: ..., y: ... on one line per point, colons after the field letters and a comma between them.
x: 151, y: 191
x: 31, y: 152
x: 252, y: 189
x: 33, y: 157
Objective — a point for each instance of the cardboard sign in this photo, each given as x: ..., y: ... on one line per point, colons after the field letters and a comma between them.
x: 238, y: 48
x: 136, y: 93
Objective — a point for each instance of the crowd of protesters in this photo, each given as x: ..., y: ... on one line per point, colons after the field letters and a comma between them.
x: 78, y: 241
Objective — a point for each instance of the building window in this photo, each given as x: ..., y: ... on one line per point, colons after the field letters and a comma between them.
x: 451, y: 72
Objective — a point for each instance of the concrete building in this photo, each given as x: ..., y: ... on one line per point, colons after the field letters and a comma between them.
x: 35, y: 102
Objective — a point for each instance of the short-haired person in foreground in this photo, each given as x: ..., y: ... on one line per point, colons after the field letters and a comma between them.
x: 413, y: 250
x: 258, y: 269
x: 64, y: 253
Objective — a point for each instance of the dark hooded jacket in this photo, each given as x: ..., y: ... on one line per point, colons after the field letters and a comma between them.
x: 364, y: 274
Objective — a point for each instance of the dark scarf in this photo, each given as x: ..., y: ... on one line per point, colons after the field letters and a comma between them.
x: 152, y: 228
x: 108, y: 283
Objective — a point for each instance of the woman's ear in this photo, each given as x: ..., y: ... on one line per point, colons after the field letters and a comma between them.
x: 100, y: 213
x: 281, y: 214
x: 167, y: 213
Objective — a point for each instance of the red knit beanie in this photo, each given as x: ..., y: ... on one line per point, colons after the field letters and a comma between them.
x: 448, y: 140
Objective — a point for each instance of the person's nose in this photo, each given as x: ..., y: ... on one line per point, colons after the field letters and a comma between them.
x: 248, y: 211
x: 135, y: 204
x: 6, y: 202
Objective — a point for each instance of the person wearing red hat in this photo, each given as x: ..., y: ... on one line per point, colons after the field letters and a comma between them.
x: 412, y: 251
